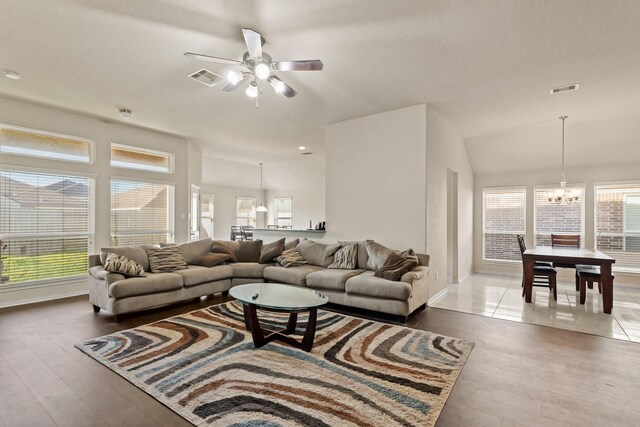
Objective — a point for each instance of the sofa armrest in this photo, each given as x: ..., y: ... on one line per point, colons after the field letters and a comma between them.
x: 417, y: 273
x: 94, y: 260
x: 100, y: 273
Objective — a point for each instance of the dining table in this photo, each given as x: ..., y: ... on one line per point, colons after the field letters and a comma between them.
x: 570, y: 256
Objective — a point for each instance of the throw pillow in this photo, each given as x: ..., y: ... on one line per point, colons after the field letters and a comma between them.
x: 378, y: 255
x: 409, y: 253
x: 291, y: 258
x: 317, y: 253
x: 248, y: 250
x: 135, y: 253
x: 211, y: 259
x: 121, y: 264
x: 271, y: 251
x: 395, y: 267
x: 363, y: 257
x: 291, y: 244
x: 220, y: 247
x: 346, y: 258
x: 166, y: 259
x: 195, y: 249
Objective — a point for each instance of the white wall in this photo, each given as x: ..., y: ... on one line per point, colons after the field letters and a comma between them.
x: 529, y: 179
x: 102, y: 133
x: 446, y: 150
x: 375, y: 178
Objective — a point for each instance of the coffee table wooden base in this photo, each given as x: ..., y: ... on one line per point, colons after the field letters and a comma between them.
x: 260, y: 339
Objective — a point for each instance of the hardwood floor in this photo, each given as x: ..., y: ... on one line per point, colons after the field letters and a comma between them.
x: 518, y: 374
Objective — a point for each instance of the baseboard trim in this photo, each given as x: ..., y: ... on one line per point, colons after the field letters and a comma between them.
x: 26, y: 301
x: 437, y: 297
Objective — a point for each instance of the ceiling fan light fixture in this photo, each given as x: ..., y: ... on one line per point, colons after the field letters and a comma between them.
x: 262, y: 70
x: 252, y: 90
x: 234, y: 76
x: 278, y: 86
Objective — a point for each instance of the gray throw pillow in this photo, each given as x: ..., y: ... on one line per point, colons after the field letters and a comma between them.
x: 291, y: 258
x: 194, y: 250
x: 271, y: 251
x: 248, y: 250
x: 291, y: 244
x: 396, y: 266
x: 317, y: 253
x: 346, y: 258
x: 121, y: 264
x: 378, y: 255
x: 166, y: 259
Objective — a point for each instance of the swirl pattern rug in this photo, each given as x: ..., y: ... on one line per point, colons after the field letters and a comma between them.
x: 203, y: 365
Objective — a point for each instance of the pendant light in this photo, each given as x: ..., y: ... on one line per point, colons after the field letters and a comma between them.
x: 261, y: 208
x: 562, y: 194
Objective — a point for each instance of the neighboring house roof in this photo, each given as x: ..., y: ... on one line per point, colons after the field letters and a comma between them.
x: 137, y: 198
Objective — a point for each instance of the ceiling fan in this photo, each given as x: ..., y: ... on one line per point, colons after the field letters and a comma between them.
x: 257, y: 66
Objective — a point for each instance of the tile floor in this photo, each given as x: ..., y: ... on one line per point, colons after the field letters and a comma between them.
x: 501, y: 297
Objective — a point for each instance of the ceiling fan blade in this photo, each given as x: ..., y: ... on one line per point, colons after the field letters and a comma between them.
x: 210, y: 58
x: 281, y: 87
x: 231, y: 87
x: 254, y: 43
x: 309, y: 65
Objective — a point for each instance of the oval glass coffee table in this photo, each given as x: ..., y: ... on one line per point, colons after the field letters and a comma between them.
x: 282, y: 299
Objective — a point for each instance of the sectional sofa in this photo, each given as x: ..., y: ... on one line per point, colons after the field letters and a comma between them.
x: 359, y: 287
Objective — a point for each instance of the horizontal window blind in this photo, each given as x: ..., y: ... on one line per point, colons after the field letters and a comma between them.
x: 33, y: 143
x: 135, y: 158
x: 46, y: 225
x: 503, y: 217
x: 618, y: 224
x: 283, y: 211
x: 246, y: 211
x: 141, y: 213
x: 557, y: 218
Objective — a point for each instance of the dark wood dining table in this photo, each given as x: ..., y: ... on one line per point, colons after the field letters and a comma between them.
x: 571, y: 256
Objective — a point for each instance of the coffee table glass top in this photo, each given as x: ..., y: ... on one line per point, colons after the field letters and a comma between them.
x: 278, y: 297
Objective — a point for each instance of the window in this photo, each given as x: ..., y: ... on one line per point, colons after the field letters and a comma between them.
x: 206, y: 215
x: 194, y: 214
x: 246, y: 211
x: 123, y: 156
x: 34, y: 143
x: 46, y: 225
x: 504, y: 216
x: 557, y: 218
x: 283, y: 211
x: 141, y: 213
x: 617, y: 218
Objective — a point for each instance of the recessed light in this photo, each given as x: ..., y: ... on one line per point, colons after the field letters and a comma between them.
x: 125, y: 113
x: 13, y: 75
x: 302, y: 147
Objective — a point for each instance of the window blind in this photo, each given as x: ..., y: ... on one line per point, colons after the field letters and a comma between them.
x: 206, y: 216
x: 246, y: 211
x: 283, y: 211
x: 46, y: 225
x: 617, y: 215
x: 136, y: 158
x: 557, y: 218
x: 503, y: 217
x: 33, y: 143
x: 141, y: 213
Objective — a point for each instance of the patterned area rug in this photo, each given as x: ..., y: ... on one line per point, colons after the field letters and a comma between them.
x: 203, y: 365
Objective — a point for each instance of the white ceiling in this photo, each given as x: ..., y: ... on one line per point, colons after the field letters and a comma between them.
x: 486, y: 65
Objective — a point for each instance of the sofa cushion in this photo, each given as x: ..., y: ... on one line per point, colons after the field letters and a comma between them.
x: 211, y: 259
x: 153, y: 283
x: 369, y: 285
x: 330, y: 279
x: 166, y: 259
x: 291, y: 244
x: 121, y: 264
x: 271, y: 250
x: 194, y: 250
x: 363, y: 257
x: 397, y: 265
x: 377, y: 255
x: 100, y: 273
x: 292, y: 275
x: 195, y: 274
x: 222, y: 247
x: 346, y: 258
x: 135, y: 253
x: 317, y: 253
x: 248, y: 250
x: 250, y: 270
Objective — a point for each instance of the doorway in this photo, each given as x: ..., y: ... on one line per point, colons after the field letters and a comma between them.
x: 452, y: 226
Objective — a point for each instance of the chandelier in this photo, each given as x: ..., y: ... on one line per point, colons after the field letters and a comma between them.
x: 562, y: 194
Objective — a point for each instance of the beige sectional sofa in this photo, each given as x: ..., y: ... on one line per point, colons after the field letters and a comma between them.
x: 359, y: 288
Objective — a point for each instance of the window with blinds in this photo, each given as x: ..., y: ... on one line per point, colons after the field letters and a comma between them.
x: 246, y: 211
x: 206, y: 216
x: 141, y: 213
x: 34, y: 143
x: 283, y: 211
x: 503, y: 217
x: 123, y: 156
x: 46, y: 225
x: 617, y: 222
x: 557, y: 218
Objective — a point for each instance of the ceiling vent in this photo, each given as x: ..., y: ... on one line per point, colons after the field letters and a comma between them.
x: 307, y: 153
x: 205, y: 77
x: 569, y: 88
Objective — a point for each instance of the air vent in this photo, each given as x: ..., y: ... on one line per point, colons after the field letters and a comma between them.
x: 206, y: 77
x: 307, y: 153
x: 569, y: 88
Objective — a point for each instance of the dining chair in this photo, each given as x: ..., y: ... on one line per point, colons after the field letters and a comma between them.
x: 247, y: 232
x: 236, y: 232
x: 587, y: 275
x: 567, y: 241
x: 544, y: 275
